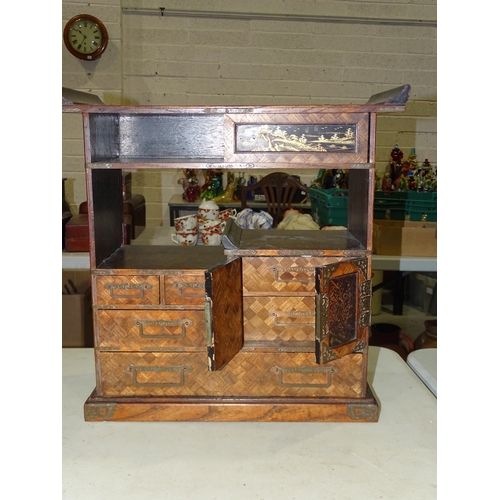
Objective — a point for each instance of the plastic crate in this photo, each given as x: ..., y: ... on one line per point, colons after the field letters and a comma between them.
x: 406, y: 205
x: 390, y: 205
x: 421, y: 206
x: 421, y: 211
x: 329, y: 207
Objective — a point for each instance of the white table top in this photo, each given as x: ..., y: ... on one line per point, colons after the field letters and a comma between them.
x: 394, y: 458
x: 424, y: 363
x: 161, y: 236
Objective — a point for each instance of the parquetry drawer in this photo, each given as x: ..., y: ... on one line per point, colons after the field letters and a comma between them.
x: 146, y: 330
x: 247, y: 374
x: 279, y: 318
x: 281, y: 274
x: 185, y: 289
x: 127, y: 290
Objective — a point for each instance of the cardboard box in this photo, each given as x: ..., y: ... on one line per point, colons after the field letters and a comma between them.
x: 397, y: 237
x: 77, y: 328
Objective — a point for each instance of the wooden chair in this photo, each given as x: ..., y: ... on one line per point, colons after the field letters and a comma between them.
x: 279, y: 190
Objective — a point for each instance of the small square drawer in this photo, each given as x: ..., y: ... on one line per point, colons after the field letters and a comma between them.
x: 185, y: 289
x: 287, y: 319
x: 281, y: 274
x: 127, y: 290
x: 136, y: 330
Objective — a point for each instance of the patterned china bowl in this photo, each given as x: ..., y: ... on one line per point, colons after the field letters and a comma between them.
x: 248, y: 219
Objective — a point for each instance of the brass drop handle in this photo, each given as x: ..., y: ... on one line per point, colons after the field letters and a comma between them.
x: 141, y: 378
x: 163, y: 324
x: 275, y: 315
x: 278, y: 270
x: 290, y: 376
x: 183, y: 289
x: 127, y: 290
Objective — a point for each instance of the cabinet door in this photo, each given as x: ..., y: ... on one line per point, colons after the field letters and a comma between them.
x: 343, y: 299
x: 223, y: 313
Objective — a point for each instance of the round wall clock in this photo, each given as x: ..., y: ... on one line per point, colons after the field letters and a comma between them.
x: 85, y: 37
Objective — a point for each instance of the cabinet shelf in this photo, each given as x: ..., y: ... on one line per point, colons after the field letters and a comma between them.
x: 317, y: 137
x: 163, y: 257
x: 143, y: 162
x: 237, y: 242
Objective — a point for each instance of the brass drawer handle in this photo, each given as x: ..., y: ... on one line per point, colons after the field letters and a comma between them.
x: 137, y: 290
x: 278, y: 270
x: 182, y: 323
x: 137, y: 371
x: 290, y: 373
x: 183, y: 289
x: 291, y: 314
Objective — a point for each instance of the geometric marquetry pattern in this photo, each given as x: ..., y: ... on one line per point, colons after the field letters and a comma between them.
x: 291, y: 375
x: 150, y: 329
x: 225, y: 310
x: 281, y: 274
x: 289, y: 319
x: 185, y: 289
x: 133, y: 290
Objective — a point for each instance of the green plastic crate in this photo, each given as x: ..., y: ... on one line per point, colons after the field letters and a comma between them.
x: 329, y: 207
x: 422, y: 196
x: 422, y: 205
x: 405, y: 205
x: 390, y: 205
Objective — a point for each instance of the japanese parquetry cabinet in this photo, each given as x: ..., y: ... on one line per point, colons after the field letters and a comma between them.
x: 272, y: 325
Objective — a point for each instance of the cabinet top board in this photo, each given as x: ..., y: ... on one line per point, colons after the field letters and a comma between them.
x: 390, y: 101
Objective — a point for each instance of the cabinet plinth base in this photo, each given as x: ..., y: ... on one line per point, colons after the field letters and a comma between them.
x: 230, y: 410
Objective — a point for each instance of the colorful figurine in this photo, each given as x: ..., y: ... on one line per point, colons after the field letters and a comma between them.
x: 228, y: 195
x: 426, y: 165
x: 190, y: 186
x: 213, y: 185
x: 396, y: 165
x: 407, y: 175
x: 396, y: 154
x: 412, y: 160
x: 387, y: 182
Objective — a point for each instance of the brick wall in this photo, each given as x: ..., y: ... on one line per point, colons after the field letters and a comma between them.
x: 210, y: 61
x: 102, y: 77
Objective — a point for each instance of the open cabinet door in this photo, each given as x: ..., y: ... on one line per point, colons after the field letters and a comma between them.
x: 343, y: 299
x: 224, y: 312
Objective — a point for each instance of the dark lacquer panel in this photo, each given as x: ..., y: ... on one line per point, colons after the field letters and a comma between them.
x: 166, y: 136
x: 107, y: 212
x: 342, y: 311
x: 319, y: 138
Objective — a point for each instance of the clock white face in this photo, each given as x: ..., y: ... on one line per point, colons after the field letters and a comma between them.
x: 85, y: 36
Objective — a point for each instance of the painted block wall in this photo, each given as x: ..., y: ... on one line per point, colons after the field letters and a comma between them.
x: 154, y: 59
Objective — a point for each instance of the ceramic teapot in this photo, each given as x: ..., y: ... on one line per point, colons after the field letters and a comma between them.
x: 208, y: 209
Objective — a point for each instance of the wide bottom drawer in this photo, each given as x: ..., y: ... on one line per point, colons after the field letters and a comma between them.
x: 123, y: 374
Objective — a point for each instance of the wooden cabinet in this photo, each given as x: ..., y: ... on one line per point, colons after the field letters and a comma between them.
x: 270, y: 326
